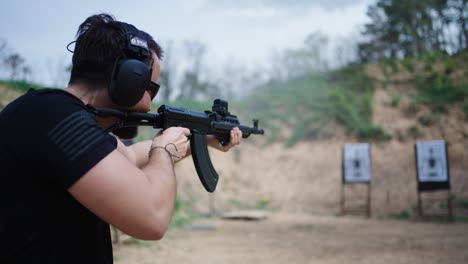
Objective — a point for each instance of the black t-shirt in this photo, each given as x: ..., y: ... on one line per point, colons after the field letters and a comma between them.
x: 48, y: 140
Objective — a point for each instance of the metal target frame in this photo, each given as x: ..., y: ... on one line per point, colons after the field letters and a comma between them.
x: 345, y: 180
x: 439, y: 183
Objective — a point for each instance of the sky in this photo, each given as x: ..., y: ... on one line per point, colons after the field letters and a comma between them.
x: 241, y: 31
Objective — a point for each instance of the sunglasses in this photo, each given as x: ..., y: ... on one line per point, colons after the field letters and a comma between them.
x: 153, y: 89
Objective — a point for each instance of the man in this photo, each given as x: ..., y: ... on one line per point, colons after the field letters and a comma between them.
x: 64, y: 179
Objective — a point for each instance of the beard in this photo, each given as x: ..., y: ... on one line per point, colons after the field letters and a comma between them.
x: 126, y: 132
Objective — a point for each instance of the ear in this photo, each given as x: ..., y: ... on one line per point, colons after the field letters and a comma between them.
x: 130, y: 78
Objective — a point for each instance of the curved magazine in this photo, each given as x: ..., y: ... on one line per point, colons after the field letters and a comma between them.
x: 201, y: 159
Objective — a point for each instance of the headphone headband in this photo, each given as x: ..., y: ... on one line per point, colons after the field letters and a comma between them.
x: 131, y: 76
x: 137, y: 46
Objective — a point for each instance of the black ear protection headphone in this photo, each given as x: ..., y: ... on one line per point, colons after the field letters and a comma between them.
x: 131, y: 77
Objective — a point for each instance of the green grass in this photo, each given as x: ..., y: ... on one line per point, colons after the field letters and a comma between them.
x: 20, y: 85
x: 304, y: 104
x: 261, y: 204
x: 438, y: 91
x: 461, y: 202
x: 409, y: 64
x: 395, y: 100
x: 183, y: 213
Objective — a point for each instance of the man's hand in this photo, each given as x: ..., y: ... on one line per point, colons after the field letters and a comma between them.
x: 174, y: 140
x: 234, y: 140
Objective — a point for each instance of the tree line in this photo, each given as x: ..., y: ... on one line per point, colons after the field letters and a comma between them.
x: 408, y: 28
x: 184, y: 72
x: 13, y: 62
x: 397, y: 29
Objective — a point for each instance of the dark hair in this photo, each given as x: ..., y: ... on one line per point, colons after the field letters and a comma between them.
x: 100, y: 41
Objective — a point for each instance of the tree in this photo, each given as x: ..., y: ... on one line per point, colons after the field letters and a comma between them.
x: 3, y: 47
x: 26, y: 72
x: 374, y: 48
x: 3, y: 50
x: 14, y: 62
x: 345, y: 50
x: 168, y: 73
x: 401, y: 29
x: 192, y: 85
x: 461, y: 19
x: 310, y: 57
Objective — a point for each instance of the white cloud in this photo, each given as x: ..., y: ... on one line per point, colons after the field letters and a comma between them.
x: 245, y: 30
x: 251, y: 33
x: 257, y: 13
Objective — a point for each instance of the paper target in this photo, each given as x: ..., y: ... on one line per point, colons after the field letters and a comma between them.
x: 431, y: 158
x: 356, y: 163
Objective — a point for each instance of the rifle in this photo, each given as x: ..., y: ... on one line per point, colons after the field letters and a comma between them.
x: 217, y: 122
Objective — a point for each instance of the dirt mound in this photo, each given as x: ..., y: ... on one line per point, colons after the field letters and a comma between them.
x: 307, y: 177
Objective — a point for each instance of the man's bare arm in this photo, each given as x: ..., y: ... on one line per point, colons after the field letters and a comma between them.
x: 139, y: 202
x: 137, y: 153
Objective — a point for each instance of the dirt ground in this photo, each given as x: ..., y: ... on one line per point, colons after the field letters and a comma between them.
x: 302, y: 238
x: 302, y: 186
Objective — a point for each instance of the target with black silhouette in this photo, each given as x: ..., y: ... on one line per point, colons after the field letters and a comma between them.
x: 432, y: 170
x: 356, y: 169
x: 432, y: 165
x: 356, y: 163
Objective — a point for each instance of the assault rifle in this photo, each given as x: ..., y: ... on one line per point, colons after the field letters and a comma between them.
x: 217, y: 122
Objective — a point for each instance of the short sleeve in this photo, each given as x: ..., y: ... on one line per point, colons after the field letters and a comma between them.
x: 77, y: 144
x: 60, y: 137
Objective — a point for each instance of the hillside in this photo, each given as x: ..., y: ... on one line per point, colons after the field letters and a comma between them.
x: 7, y: 95
x: 306, y: 176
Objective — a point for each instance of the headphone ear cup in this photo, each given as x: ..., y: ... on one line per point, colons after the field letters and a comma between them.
x: 130, y: 78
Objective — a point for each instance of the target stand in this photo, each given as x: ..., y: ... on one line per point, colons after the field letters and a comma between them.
x: 432, y: 172
x: 356, y: 169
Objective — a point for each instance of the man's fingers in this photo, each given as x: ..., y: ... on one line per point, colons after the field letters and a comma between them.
x: 186, y: 131
x: 236, y: 136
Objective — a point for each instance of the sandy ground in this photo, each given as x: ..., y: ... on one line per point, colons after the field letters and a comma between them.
x: 301, y: 238
x: 302, y: 186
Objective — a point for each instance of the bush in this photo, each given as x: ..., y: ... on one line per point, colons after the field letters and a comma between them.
x: 414, y: 131
x: 395, y: 100
x: 376, y: 133
x: 449, y: 66
x: 408, y: 64
x: 439, y: 91
x: 305, y: 103
x: 402, y: 215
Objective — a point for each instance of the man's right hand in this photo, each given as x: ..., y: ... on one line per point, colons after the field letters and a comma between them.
x: 174, y: 140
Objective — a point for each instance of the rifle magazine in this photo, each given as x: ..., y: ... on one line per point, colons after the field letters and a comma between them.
x: 201, y: 159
